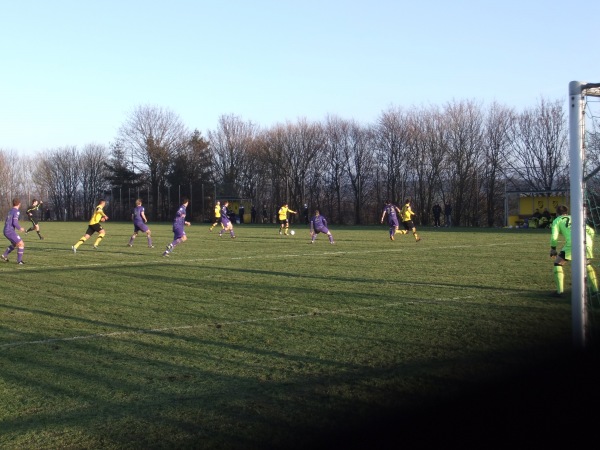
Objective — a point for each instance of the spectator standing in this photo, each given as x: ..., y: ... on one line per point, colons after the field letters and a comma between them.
x: 437, y: 212
x: 448, y: 214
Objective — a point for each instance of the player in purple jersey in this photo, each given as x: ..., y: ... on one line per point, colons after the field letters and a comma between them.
x: 179, y: 224
x: 225, y: 221
x: 11, y: 226
x: 392, y: 212
x: 318, y: 224
x: 139, y: 223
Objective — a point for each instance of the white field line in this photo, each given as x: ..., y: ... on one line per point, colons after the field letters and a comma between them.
x: 174, y: 259
x: 241, y: 322
x: 344, y: 312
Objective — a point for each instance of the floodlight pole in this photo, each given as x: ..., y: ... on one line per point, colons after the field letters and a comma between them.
x: 578, y: 304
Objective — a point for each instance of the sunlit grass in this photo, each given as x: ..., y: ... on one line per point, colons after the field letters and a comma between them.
x: 262, y: 340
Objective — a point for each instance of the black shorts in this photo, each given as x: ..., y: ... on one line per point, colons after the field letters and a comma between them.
x: 217, y: 220
x: 283, y: 221
x: 96, y: 228
x: 408, y: 224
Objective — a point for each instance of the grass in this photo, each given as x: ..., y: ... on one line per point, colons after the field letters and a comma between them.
x: 266, y: 341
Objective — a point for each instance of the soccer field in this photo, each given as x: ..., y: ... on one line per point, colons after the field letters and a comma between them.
x: 263, y: 341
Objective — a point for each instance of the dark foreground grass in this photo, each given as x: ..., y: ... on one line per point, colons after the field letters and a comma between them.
x: 268, y: 341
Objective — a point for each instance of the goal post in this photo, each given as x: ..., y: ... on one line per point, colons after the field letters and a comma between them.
x: 577, y: 92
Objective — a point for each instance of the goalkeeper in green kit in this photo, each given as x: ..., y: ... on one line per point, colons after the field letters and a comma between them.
x: 562, y: 226
x: 35, y: 205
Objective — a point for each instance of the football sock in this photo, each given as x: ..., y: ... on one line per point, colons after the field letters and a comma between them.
x: 416, y: 236
x: 592, y: 280
x: 20, y: 252
x: 98, y: 241
x: 131, y: 240
x: 559, y: 278
x: 79, y: 242
x: 149, y: 241
x: 330, y: 238
x: 9, y: 249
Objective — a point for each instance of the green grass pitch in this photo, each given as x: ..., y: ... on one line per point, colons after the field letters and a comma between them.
x: 262, y: 341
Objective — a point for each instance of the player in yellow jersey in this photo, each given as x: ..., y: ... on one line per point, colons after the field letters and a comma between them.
x: 217, y: 216
x: 562, y: 226
x: 94, y: 226
x: 406, y: 215
x: 282, y: 215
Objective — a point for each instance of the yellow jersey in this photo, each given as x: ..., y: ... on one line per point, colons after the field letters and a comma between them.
x: 283, y: 212
x: 406, y: 213
x: 98, y: 214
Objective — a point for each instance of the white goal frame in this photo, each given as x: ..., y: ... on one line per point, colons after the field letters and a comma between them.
x: 577, y: 92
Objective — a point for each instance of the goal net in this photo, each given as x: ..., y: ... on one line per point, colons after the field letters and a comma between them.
x: 584, y: 171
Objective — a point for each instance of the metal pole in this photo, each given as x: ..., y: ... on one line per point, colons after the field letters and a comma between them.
x: 576, y: 120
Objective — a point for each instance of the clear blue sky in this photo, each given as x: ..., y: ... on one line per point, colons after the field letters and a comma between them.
x: 73, y: 70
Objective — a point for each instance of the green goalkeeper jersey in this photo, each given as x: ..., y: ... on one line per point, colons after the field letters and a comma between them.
x: 562, y: 226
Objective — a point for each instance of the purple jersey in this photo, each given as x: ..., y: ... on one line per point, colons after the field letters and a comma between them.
x: 390, y: 210
x: 12, y: 221
x: 137, y: 215
x: 179, y: 221
x: 319, y: 224
x: 11, y: 225
x: 225, y: 216
x: 138, y: 221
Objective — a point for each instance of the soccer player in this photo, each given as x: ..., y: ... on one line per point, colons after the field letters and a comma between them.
x: 318, y: 224
x: 282, y: 215
x: 392, y: 212
x: 139, y: 223
x: 30, y: 211
x: 217, y: 216
x: 225, y: 221
x: 562, y: 226
x: 11, y: 226
x: 406, y: 215
x: 94, y: 226
x: 179, y: 224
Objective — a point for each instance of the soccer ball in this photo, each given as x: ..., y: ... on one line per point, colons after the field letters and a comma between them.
x: 292, y: 232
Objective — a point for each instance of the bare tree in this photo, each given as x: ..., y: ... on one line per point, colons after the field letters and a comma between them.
x: 230, y: 144
x: 539, y: 148
x: 14, y: 176
x: 59, y: 171
x: 428, y: 152
x: 94, y: 175
x: 336, y: 137
x: 359, y: 164
x: 305, y: 141
x: 496, y: 142
x: 153, y: 135
x: 392, y: 138
x: 464, y: 162
x: 190, y: 170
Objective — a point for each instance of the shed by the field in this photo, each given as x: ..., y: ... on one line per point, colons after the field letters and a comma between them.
x: 527, y: 202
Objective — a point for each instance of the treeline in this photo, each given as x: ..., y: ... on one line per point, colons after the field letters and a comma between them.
x: 462, y: 153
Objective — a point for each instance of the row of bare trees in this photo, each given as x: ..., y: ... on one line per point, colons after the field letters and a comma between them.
x: 461, y: 153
